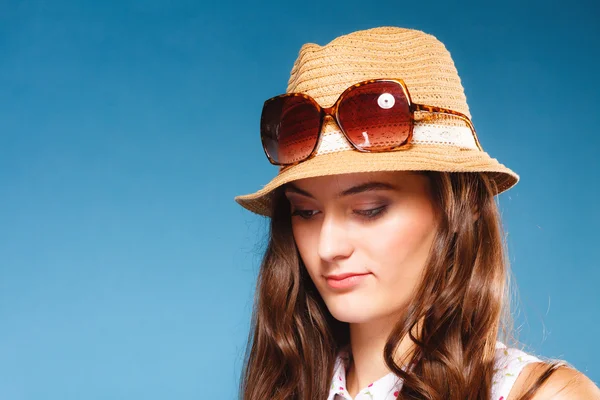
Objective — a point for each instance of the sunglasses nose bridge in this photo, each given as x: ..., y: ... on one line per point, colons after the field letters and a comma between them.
x: 331, y: 124
x: 328, y: 110
x: 331, y: 112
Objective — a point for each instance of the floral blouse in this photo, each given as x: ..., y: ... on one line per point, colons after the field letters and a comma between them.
x: 509, y: 363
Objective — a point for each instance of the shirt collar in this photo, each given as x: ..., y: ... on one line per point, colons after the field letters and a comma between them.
x: 384, y: 388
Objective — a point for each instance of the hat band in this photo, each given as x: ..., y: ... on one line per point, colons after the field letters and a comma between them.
x: 423, y: 133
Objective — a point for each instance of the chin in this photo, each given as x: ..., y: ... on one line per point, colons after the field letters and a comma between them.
x: 351, y: 318
x: 350, y: 313
x: 360, y: 310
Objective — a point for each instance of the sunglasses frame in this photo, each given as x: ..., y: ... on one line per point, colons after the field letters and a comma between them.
x: 333, y: 113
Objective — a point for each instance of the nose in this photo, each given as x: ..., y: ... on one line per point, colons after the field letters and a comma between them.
x: 334, y: 243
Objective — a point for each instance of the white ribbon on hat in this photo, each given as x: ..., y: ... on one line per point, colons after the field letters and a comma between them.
x: 423, y: 133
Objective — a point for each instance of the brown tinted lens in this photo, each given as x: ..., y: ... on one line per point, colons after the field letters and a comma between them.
x: 376, y: 116
x: 289, y: 128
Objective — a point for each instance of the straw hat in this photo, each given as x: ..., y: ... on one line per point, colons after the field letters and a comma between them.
x: 440, y: 142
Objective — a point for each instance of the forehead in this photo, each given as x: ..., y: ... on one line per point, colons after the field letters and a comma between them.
x: 346, y: 184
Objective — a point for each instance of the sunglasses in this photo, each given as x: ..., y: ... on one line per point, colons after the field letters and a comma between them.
x: 376, y: 115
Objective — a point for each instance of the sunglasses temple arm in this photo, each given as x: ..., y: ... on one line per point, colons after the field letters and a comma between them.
x: 440, y: 110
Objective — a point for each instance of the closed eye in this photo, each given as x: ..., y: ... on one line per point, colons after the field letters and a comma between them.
x: 305, y: 214
x: 367, y: 214
x: 371, y: 213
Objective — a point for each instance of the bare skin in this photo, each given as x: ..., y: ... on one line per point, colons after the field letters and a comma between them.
x: 381, y: 225
x: 337, y: 235
x: 564, y: 384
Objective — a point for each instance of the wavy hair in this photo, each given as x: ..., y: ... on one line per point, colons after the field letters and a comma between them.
x: 459, y: 310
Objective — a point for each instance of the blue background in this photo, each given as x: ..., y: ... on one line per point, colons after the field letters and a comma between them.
x: 127, y: 127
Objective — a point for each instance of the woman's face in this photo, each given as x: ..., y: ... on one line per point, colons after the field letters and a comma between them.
x: 378, y: 225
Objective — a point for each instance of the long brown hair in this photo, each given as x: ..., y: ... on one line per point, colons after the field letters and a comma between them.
x: 460, y: 308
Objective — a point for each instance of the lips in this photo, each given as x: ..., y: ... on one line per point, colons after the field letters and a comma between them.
x: 347, y: 281
x: 346, y: 275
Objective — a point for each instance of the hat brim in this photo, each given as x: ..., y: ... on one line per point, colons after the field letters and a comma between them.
x: 418, y: 157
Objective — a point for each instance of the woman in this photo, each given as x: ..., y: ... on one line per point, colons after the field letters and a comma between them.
x: 385, y: 274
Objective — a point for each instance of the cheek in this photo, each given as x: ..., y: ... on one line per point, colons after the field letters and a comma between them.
x: 306, y: 241
x: 398, y: 247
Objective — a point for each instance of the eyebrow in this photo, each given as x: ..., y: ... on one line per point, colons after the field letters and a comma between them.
x: 364, y: 187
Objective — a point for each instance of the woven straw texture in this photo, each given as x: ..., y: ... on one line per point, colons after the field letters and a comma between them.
x: 425, y: 65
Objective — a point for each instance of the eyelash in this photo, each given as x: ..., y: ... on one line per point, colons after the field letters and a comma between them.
x: 370, y: 214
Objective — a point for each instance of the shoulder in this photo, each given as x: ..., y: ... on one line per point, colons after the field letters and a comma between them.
x: 508, y: 365
x: 564, y: 383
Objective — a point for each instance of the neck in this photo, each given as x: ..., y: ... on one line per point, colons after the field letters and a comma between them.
x: 367, y: 341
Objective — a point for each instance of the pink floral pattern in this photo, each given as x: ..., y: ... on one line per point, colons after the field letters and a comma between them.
x: 509, y: 363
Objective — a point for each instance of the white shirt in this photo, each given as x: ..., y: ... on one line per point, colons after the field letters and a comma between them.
x: 509, y: 362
